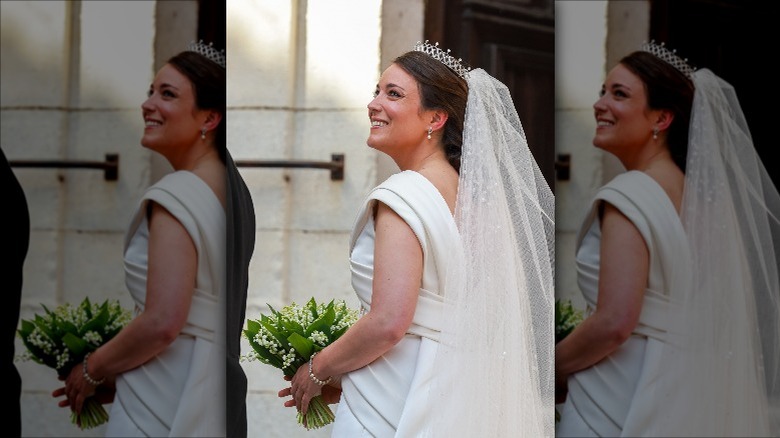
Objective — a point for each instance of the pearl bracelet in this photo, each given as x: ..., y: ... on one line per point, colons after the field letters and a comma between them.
x: 311, y: 373
x: 86, y: 375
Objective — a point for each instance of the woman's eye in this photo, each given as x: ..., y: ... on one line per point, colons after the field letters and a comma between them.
x: 168, y: 93
x: 393, y: 93
x: 619, y: 93
x: 149, y: 93
x: 602, y: 93
x: 376, y: 93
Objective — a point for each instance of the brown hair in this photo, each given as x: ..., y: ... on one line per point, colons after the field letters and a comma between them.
x: 667, y: 89
x: 440, y: 89
x: 209, y: 86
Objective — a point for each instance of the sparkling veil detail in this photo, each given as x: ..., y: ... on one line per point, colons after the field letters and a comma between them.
x: 724, y: 333
x: 494, y: 367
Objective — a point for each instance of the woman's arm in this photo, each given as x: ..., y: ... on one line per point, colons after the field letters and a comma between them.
x: 398, y: 266
x: 622, y: 281
x: 172, y: 268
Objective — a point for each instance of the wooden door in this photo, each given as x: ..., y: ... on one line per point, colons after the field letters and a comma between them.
x: 514, y: 41
x: 724, y: 36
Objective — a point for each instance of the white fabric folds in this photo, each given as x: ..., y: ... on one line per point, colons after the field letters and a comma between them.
x: 494, y: 366
x: 180, y: 392
x: 389, y: 396
x: 723, y: 358
x: 616, y: 397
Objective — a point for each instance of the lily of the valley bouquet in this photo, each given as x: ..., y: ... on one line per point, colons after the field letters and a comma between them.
x: 61, y: 338
x: 287, y: 338
x: 567, y: 317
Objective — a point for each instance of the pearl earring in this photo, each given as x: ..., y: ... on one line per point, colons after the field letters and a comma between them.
x: 203, y: 133
x: 430, y: 130
x: 655, y: 133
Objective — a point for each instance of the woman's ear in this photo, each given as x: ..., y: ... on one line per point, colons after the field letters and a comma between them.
x: 438, y: 119
x: 212, y: 120
x: 664, y: 119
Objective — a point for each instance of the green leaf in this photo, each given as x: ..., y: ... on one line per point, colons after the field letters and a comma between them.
x: 312, y: 306
x: 292, y: 327
x: 67, y: 326
x: 97, y: 323
x: 26, y: 329
x: 303, y: 346
x: 87, y: 306
x: 268, y: 357
x: 75, y: 344
x: 43, y: 326
x: 324, y: 322
x: 252, y: 325
x: 276, y: 334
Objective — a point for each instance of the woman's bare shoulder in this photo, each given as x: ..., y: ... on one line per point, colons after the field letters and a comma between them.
x: 445, y: 179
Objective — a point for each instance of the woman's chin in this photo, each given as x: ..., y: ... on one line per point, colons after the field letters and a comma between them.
x: 599, y: 142
x: 149, y: 143
x: 373, y: 144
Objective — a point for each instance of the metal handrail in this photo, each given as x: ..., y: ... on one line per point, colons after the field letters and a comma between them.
x: 110, y: 166
x: 336, y: 165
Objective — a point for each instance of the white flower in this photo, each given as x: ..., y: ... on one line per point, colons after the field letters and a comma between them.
x: 93, y: 338
x: 319, y: 337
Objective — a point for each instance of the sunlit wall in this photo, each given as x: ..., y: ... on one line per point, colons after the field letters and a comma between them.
x: 74, y: 75
x: 300, y: 74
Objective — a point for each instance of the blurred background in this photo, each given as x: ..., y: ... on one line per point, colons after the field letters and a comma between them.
x: 300, y: 74
x: 73, y: 75
x: 592, y: 36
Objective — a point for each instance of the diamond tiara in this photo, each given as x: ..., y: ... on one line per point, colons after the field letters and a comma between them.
x: 208, y: 51
x: 445, y: 58
x: 669, y: 56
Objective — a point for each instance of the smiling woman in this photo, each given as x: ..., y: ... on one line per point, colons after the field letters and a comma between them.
x: 441, y: 256
x: 677, y: 264
x: 168, y: 365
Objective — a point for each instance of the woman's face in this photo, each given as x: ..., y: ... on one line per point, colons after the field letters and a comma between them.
x: 398, y: 121
x: 623, y: 119
x: 172, y: 120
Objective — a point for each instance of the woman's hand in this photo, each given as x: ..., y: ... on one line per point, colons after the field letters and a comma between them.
x: 303, y: 388
x: 76, y: 390
x: 331, y: 393
x: 104, y: 394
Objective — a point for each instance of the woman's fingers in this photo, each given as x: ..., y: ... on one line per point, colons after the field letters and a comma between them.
x: 287, y: 392
x: 59, y: 392
x: 305, y: 403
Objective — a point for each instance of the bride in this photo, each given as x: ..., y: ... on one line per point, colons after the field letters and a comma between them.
x: 168, y: 363
x: 451, y: 260
x: 677, y: 262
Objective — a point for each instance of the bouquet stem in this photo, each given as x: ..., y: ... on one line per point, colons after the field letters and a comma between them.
x: 92, y: 414
x: 318, y: 415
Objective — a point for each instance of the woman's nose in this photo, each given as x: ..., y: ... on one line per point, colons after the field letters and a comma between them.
x: 600, y: 104
x: 147, y: 104
x: 373, y: 106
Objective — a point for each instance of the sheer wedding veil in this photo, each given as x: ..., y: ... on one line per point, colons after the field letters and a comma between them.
x: 494, y: 367
x: 722, y: 358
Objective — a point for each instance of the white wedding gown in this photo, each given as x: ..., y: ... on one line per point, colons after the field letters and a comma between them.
x: 180, y: 392
x: 615, y: 397
x: 388, y: 397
